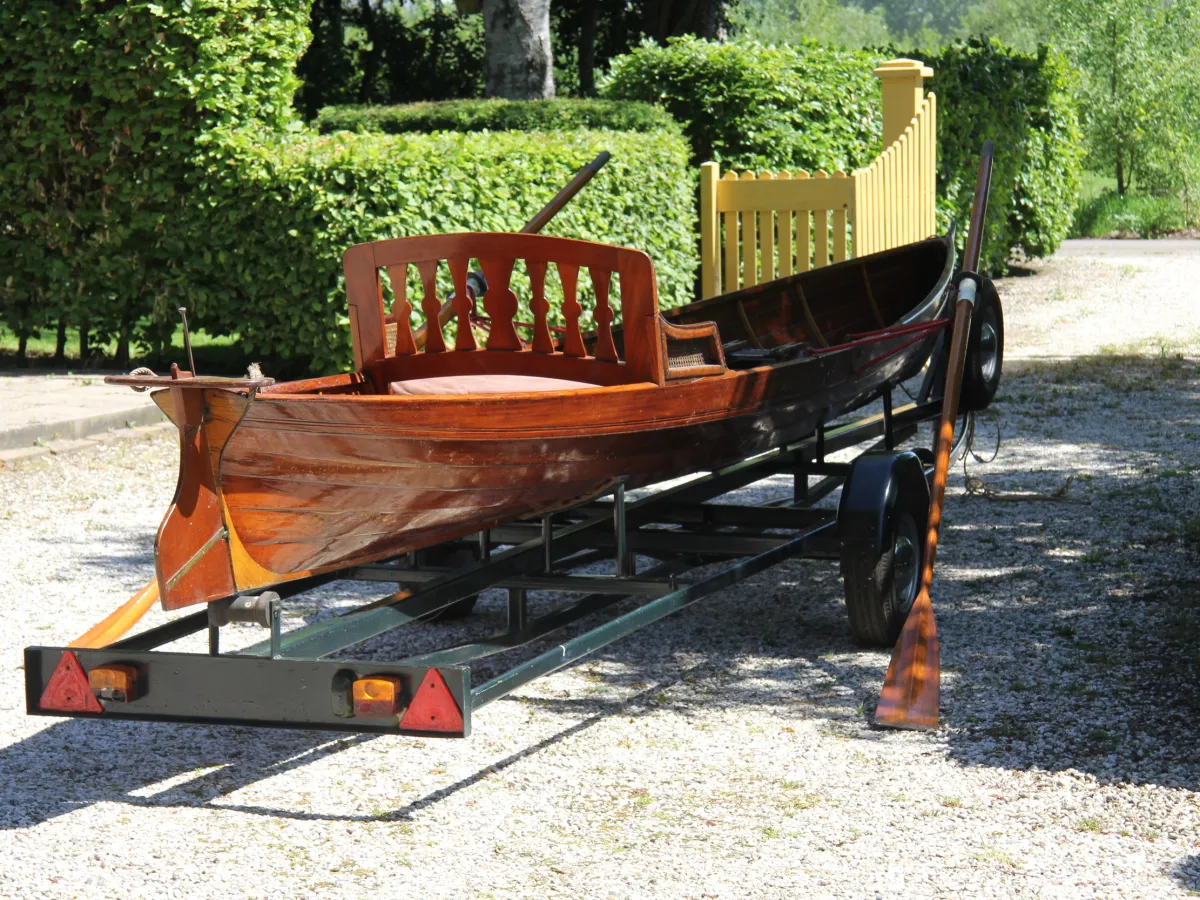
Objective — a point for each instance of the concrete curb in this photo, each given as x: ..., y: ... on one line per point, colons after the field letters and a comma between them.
x: 62, y: 446
x: 82, y: 427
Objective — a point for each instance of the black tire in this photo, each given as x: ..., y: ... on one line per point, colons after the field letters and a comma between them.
x: 454, y: 557
x: 877, y: 600
x: 985, y: 351
x: 882, y: 523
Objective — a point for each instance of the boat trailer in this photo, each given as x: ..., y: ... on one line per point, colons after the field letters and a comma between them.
x: 884, y: 532
x: 288, y: 681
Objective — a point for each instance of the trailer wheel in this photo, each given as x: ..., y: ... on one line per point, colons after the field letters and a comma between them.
x: 882, y: 520
x: 985, y: 350
x: 453, y: 557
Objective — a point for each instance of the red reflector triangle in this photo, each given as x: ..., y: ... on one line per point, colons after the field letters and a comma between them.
x: 433, y: 707
x: 67, y: 690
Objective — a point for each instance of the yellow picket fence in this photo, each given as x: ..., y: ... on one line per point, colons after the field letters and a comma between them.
x: 768, y: 225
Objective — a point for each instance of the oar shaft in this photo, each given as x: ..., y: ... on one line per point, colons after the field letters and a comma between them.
x: 563, y: 197
x: 945, y: 438
x: 965, y: 303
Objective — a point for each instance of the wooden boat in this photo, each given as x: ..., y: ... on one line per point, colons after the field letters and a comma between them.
x: 415, y: 447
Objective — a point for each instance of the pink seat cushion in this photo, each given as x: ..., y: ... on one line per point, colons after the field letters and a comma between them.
x: 485, y: 384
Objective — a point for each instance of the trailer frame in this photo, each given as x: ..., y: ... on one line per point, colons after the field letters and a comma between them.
x: 286, y: 681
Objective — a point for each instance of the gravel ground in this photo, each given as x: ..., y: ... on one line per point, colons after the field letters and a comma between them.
x: 724, y: 752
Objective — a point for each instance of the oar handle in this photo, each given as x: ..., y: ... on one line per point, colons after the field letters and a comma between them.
x: 983, y: 182
x: 533, y: 226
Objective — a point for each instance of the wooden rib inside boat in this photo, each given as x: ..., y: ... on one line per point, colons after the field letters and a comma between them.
x: 420, y: 445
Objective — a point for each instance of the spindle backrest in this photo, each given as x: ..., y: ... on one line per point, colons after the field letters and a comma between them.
x: 497, y: 254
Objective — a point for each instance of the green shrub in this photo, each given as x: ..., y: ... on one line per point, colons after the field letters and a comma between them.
x: 752, y: 106
x: 1132, y: 214
x: 150, y: 158
x: 1024, y: 103
x: 102, y: 104
x: 278, y: 213
x: 497, y: 115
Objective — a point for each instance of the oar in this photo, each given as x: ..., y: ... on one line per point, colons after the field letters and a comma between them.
x: 911, y: 690
x: 533, y: 226
x: 120, y: 620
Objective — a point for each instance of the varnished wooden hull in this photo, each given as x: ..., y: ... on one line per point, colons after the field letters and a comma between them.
x: 310, y: 482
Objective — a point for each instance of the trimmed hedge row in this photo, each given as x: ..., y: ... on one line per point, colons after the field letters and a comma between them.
x: 150, y: 158
x: 807, y: 106
x: 497, y: 115
x: 752, y: 106
x: 101, y: 106
x: 278, y: 213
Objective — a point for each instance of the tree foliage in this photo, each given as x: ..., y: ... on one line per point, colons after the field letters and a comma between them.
x: 1139, y: 83
x: 368, y: 52
x: 101, y: 108
x: 826, y: 21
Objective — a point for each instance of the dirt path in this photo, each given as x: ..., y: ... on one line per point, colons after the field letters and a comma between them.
x: 1106, y: 297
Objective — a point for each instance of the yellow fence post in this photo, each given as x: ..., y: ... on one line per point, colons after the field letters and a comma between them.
x: 903, y: 92
x: 710, y: 230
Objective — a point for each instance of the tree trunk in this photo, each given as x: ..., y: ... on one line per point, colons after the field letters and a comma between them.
x: 587, y: 50
x: 1120, y: 175
x: 60, y: 342
x: 85, y: 349
x: 123, y: 348
x: 520, y: 62
x: 370, y: 23
x: 22, y: 346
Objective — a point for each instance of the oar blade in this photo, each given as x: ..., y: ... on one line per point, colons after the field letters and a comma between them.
x: 118, y: 622
x: 912, y: 689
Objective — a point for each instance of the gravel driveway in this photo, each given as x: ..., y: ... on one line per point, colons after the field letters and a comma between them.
x: 725, y: 752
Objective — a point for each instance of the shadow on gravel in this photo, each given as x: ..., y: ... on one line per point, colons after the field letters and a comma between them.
x: 77, y: 763
x: 683, y: 665
x: 1072, y: 629
x: 1187, y: 872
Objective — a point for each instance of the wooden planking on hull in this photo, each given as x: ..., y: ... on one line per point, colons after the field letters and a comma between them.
x: 330, y: 472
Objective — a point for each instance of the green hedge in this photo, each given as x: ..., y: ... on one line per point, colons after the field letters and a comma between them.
x: 150, y: 158
x: 752, y: 106
x: 1025, y: 104
x: 277, y: 215
x: 102, y: 104
x: 807, y: 106
x: 497, y: 115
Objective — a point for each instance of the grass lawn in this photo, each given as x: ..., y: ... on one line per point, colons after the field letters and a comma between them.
x: 1102, y: 212
x: 214, y: 355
